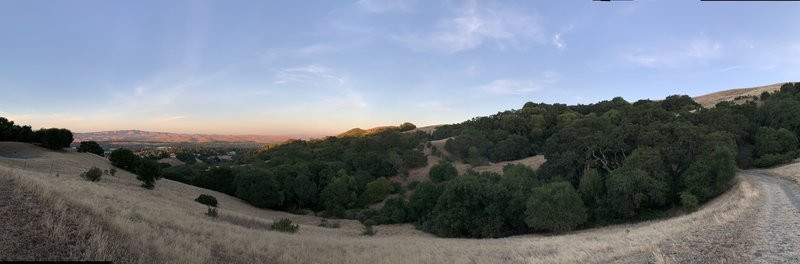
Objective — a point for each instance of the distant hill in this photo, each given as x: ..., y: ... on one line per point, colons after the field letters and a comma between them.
x: 734, y: 95
x: 358, y: 132
x: 166, y: 137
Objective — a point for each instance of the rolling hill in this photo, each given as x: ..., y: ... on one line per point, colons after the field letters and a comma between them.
x: 166, y: 137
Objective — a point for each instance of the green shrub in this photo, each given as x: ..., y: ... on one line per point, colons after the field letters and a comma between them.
x: 444, y: 171
x: 212, y: 212
x: 412, y: 185
x: 368, y: 230
x: 207, y: 200
x: 285, y: 225
x: 769, y: 160
x: 329, y: 224
x: 92, y: 174
x: 689, y: 202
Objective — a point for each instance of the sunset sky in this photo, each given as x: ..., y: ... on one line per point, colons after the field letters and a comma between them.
x: 322, y: 67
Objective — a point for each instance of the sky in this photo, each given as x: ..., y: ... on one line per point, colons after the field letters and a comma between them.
x: 323, y: 67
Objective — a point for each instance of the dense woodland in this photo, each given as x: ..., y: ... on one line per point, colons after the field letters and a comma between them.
x: 609, y: 162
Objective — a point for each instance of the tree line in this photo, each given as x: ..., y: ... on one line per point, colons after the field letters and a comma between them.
x: 52, y: 138
x: 337, y: 175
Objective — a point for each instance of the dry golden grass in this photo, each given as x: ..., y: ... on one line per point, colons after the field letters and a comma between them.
x: 710, y: 100
x: 168, y: 219
x: 790, y: 172
x: 421, y: 174
x: 41, y: 225
x: 426, y: 129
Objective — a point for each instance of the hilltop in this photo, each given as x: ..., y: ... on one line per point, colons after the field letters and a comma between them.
x: 735, y: 95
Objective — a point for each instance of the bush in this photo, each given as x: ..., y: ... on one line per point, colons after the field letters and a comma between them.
x: 555, y: 207
x: 769, y: 160
x: 212, y: 212
x: 689, y: 202
x: 207, y: 200
x: 444, y: 171
x: 329, y: 224
x: 368, y: 230
x: 113, y: 171
x: 92, y: 174
x: 285, y: 225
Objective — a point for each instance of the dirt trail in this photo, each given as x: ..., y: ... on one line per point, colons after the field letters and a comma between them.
x: 775, y: 232
x: 766, y: 232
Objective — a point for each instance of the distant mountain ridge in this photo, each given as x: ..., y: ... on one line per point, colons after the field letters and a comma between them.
x: 166, y: 137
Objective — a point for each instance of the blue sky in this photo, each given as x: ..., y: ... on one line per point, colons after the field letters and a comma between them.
x: 322, y: 67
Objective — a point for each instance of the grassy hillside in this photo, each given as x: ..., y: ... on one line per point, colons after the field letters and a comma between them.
x: 176, y: 227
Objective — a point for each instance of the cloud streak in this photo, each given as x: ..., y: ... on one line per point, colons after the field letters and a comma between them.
x: 698, y: 50
x: 472, y: 25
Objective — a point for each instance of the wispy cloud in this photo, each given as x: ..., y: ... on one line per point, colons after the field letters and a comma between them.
x: 558, y: 38
x: 304, y: 74
x: 434, y: 105
x: 381, y: 6
x: 349, y: 99
x: 510, y: 86
x: 314, y: 49
x: 169, y: 118
x: 333, y: 89
x: 275, y: 54
x: 520, y: 86
x: 698, y: 50
x: 473, y: 25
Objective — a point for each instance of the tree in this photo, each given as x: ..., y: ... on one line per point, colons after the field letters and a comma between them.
x: 376, y: 191
x: 407, y: 126
x: 148, y: 172
x: 55, y: 138
x: 444, y: 171
x: 340, y: 194
x: 555, y: 207
x: 218, y: 178
x: 260, y: 188
x: 186, y: 157
x: 207, y: 199
x: 469, y: 206
x: 591, y: 187
x: 632, y: 191
x: 774, y: 141
x: 6, y: 130
x: 422, y: 201
x: 91, y: 147
x: 123, y: 158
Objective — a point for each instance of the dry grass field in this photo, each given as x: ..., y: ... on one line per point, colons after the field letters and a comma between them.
x: 177, y: 230
x: 710, y: 100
